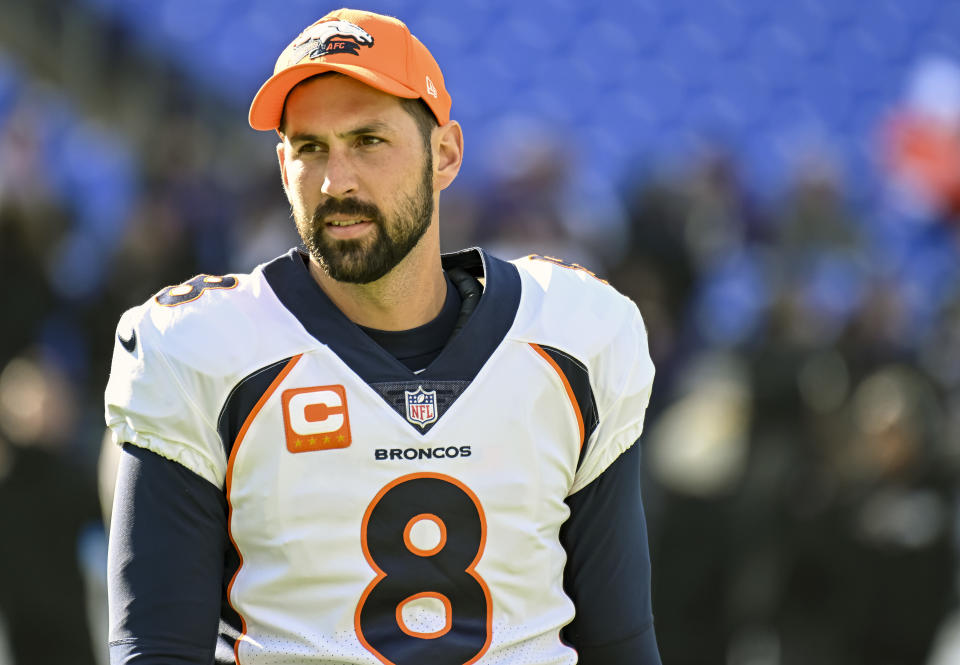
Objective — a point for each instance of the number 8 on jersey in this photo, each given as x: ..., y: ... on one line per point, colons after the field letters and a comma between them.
x: 407, y: 573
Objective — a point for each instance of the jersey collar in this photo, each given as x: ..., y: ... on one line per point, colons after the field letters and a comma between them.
x: 461, y: 359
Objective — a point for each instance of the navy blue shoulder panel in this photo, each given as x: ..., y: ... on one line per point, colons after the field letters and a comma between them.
x: 242, y: 399
x: 579, y: 379
x: 607, y: 575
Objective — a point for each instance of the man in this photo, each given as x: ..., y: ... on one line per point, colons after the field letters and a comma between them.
x: 366, y: 452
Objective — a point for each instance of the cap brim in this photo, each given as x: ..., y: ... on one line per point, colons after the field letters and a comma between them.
x: 267, y: 106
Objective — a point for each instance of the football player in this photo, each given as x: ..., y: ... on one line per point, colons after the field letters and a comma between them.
x: 366, y: 452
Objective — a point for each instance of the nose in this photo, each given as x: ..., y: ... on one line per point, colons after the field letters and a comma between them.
x: 340, y: 176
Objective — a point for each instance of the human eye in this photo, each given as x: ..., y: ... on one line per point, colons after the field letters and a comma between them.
x: 309, y: 147
x: 366, y: 140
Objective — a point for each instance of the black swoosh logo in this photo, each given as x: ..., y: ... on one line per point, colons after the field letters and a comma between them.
x: 130, y: 343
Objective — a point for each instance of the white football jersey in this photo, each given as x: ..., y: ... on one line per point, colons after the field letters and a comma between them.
x: 382, y: 515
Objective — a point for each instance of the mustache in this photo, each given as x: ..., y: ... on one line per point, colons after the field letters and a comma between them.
x: 347, y: 207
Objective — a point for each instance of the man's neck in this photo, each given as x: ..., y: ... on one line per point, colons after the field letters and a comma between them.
x: 409, y: 296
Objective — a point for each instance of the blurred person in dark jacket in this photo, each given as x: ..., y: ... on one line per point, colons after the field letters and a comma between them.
x: 46, y: 505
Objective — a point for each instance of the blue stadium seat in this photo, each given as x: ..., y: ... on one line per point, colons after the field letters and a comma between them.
x: 723, y: 66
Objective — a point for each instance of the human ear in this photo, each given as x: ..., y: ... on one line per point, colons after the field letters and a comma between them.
x: 447, y: 144
x: 282, y: 159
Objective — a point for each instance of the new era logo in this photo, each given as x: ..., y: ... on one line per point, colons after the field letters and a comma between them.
x: 316, y: 418
x: 431, y: 88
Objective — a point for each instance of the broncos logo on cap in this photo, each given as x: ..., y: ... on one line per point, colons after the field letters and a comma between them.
x: 330, y: 38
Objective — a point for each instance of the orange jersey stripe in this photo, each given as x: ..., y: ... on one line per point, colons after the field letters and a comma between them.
x: 233, y: 456
x: 566, y: 385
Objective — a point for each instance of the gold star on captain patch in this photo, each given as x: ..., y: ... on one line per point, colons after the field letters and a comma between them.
x: 341, y: 438
x: 326, y: 439
x: 297, y: 443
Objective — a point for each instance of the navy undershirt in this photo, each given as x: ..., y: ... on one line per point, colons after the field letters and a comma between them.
x: 417, y: 347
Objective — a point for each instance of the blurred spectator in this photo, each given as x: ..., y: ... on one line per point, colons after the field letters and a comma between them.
x: 922, y: 140
x: 31, y: 218
x: 867, y: 560
x: 538, y: 202
x: 46, y: 506
x: 685, y: 229
x: 802, y: 491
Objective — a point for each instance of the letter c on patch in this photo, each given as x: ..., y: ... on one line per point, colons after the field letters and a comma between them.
x: 319, y: 412
x: 316, y: 418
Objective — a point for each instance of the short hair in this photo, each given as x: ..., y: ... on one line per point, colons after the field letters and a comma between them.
x: 422, y: 115
x: 415, y: 107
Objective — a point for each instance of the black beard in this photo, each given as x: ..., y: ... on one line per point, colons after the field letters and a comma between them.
x: 366, y: 260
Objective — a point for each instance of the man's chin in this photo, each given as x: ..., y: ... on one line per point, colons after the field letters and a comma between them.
x: 352, y: 267
x: 354, y: 276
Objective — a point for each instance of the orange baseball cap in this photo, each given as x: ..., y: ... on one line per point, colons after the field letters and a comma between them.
x: 374, y: 49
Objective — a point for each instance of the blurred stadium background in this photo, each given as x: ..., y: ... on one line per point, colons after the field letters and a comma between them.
x: 777, y: 185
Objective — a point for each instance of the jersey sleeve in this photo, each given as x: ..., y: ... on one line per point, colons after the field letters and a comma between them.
x: 607, y: 575
x: 623, y: 378
x: 166, y: 563
x: 152, y: 399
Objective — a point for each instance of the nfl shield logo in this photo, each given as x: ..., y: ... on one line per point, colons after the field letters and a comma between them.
x: 421, y: 406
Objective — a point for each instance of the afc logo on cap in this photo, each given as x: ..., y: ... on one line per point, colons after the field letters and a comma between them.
x: 316, y: 418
